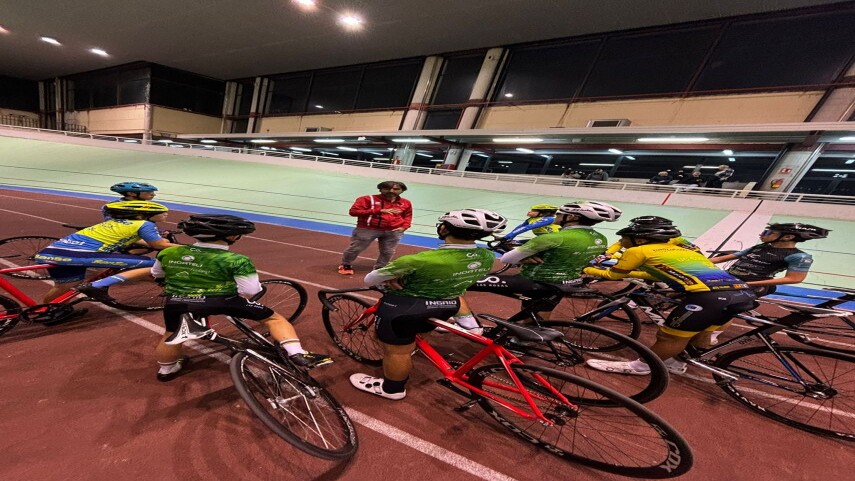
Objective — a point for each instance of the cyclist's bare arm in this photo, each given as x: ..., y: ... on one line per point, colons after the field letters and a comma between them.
x: 724, y: 258
x: 160, y: 244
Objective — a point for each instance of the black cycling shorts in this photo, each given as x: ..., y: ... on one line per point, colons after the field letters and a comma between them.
x: 535, y: 295
x: 399, y: 318
x: 231, y: 305
x: 705, y: 311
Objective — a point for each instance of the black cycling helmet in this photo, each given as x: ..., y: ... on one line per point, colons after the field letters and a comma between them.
x: 651, y: 220
x: 135, y: 187
x: 653, y: 232
x: 215, y: 226
x: 802, y: 232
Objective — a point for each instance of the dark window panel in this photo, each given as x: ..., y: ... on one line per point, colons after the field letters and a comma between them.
x: 335, y: 90
x: 388, y: 86
x: 289, y: 94
x: 454, y: 85
x: 553, y: 72
x: 778, y: 52
x: 19, y: 94
x: 239, y: 126
x: 652, y: 63
x: 244, y: 92
x: 442, y: 119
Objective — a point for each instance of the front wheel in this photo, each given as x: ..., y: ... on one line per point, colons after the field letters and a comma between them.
x: 596, y: 308
x: 352, y: 330
x: 835, y: 333
x: 812, y: 389
x: 136, y: 296
x: 614, y: 434
x: 10, y: 314
x: 284, y: 296
x: 20, y: 251
x: 294, y: 406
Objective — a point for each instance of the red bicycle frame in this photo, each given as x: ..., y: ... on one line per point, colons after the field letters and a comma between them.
x: 30, y: 302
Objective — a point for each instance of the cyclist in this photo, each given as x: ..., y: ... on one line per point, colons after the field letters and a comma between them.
x: 423, y: 286
x: 99, y: 246
x: 614, y: 250
x: 540, y: 221
x: 132, y: 191
x: 550, y: 263
x: 207, y: 279
x: 711, y: 297
x: 776, y: 252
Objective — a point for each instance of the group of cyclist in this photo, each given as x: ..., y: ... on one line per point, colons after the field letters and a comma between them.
x: 206, y: 278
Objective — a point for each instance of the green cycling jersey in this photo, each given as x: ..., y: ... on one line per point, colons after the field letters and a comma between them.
x: 203, y: 271
x: 443, y: 273
x: 565, y: 253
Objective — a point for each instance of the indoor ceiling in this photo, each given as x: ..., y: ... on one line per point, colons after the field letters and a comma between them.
x: 230, y: 39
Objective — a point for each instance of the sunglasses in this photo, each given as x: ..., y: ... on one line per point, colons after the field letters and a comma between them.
x: 766, y: 232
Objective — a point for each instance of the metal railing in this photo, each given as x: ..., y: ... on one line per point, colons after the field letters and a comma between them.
x: 525, y: 179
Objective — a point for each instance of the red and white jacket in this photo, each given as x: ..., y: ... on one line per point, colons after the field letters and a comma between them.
x: 367, y: 211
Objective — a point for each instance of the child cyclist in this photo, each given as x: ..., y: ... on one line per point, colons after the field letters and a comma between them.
x: 423, y: 286
x: 540, y: 221
x: 132, y: 191
x: 711, y: 296
x: 100, y: 245
x: 615, y: 250
x: 207, y: 279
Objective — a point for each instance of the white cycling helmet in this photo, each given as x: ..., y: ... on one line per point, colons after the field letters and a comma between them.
x: 475, y: 219
x: 592, y: 210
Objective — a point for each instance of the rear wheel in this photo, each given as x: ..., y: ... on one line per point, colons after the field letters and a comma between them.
x: 595, y: 308
x: 19, y: 252
x: 136, y: 296
x: 10, y: 314
x: 294, y: 406
x: 832, y: 333
x: 284, y: 296
x: 814, y: 392
x: 351, y: 330
x: 613, y: 434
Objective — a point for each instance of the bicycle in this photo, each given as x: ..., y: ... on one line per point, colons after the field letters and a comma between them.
x: 566, y: 415
x: 803, y: 387
x: 282, y: 395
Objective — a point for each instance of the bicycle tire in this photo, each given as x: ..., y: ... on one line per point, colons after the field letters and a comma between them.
x: 10, y: 314
x: 294, y: 406
x: 591, y: 434
x: 19, y: 251
x: 359, y: 341
x: 285, y: 296
x: 768, y: 388
x: 832, y: 333
x: 568, y: 355
x: 136, y: 296
x: 590, y: 308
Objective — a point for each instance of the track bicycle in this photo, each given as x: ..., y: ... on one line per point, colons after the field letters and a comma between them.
x: 282, y: 395
x: 804, y: 387
x: 568, y: 416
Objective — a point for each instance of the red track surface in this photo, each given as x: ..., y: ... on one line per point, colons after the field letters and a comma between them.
x: 80, y: 401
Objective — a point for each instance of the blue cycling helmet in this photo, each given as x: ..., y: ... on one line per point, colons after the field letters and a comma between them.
x: 136, y: 187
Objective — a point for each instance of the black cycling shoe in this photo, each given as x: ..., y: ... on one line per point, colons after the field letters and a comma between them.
x: 72, y: 315
x: 310, y: 360
x: 182, y: 362
x: 97, y: 293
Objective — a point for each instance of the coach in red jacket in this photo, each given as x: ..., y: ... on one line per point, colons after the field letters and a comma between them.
x: 384, y: 217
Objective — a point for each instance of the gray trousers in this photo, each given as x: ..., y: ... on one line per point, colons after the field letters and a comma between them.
x: 362, y: 238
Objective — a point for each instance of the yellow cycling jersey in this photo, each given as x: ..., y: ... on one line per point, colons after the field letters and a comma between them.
x: 109, y: 236
x: 682, y: 269
x: 614, y: 249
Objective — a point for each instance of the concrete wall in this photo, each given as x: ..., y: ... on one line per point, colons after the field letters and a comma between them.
x: 128, y: 119
x: 364, y: 121
x: 172, y: 121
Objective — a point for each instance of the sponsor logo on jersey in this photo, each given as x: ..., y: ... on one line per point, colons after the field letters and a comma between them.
x: 474, y: 265
x: 442, y: 302
x: 693, y: 307
x: 188, y: 258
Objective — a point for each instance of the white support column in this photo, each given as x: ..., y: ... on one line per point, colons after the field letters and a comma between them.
x: 58, y: 96
x: 482, y: 87
x: 259, y: 92
x: 414, y: 118
x: 228, y: 107
x: 42, y: 104
x: 404, y: 155
x: 148, y: 121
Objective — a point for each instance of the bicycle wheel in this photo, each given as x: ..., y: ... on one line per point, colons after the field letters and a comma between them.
x: 615, y: 434
x: 19, y: 252
x: 815, y: 392
x: 284, y: 296
x: 831, y: 333
x: 10, y: 314
x: 590, y: 308
x: 294, y: 406
x: 583, y: 342
x: 136, y: 296
x: 354, y: 336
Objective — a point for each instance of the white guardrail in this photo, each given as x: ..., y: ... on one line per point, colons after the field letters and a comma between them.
x: 527, y: 179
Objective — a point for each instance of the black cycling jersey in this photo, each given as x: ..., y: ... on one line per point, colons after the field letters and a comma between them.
x: 763, y: 261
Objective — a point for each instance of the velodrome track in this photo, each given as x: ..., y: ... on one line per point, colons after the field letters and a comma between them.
x: 80, y: 400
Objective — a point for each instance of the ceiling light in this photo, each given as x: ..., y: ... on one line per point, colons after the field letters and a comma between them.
x: 525, y: 151
x: 165, y: 141
x: 509, y: 95
x: 131, y: 141
x: 596, y: 165
x: 517, y: 140
x: 50, y: 40
x: 262, y: 141
x: 850, y: 161
x: 674, y: 140
x: 301, y: 149
x: 727, y: 152
x: 482, y: 155
x: 629, y: 157
x: 329, y: 141
x: 547, y: 157
x: 413, y: 140
x: 349, y: 149
x: 98, y: 51
x: 350, y: 21
x: 832, y: 170
x: 701, y: 167
x: 847, y: 139
x: 319, y: 106
x: 731, y: 159
x: 208, y: 141
x: 425, y: 155
x: 306, y: 4
x: 505, y: 162
x: 330, y: 153
x: 264, y: 147
x: 437, y: 160
x: 3, y: 29
x: 616, y: 151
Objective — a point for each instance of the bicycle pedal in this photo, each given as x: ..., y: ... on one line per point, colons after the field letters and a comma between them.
x: 465, y: 406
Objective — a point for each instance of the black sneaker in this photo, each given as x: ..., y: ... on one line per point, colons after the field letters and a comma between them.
x: 310, y: 359
x: 182, y: 362
x: 97, y: 293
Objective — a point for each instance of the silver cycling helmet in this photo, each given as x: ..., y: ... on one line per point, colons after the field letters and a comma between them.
x: 592, y: 210
x: 475, y: 219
